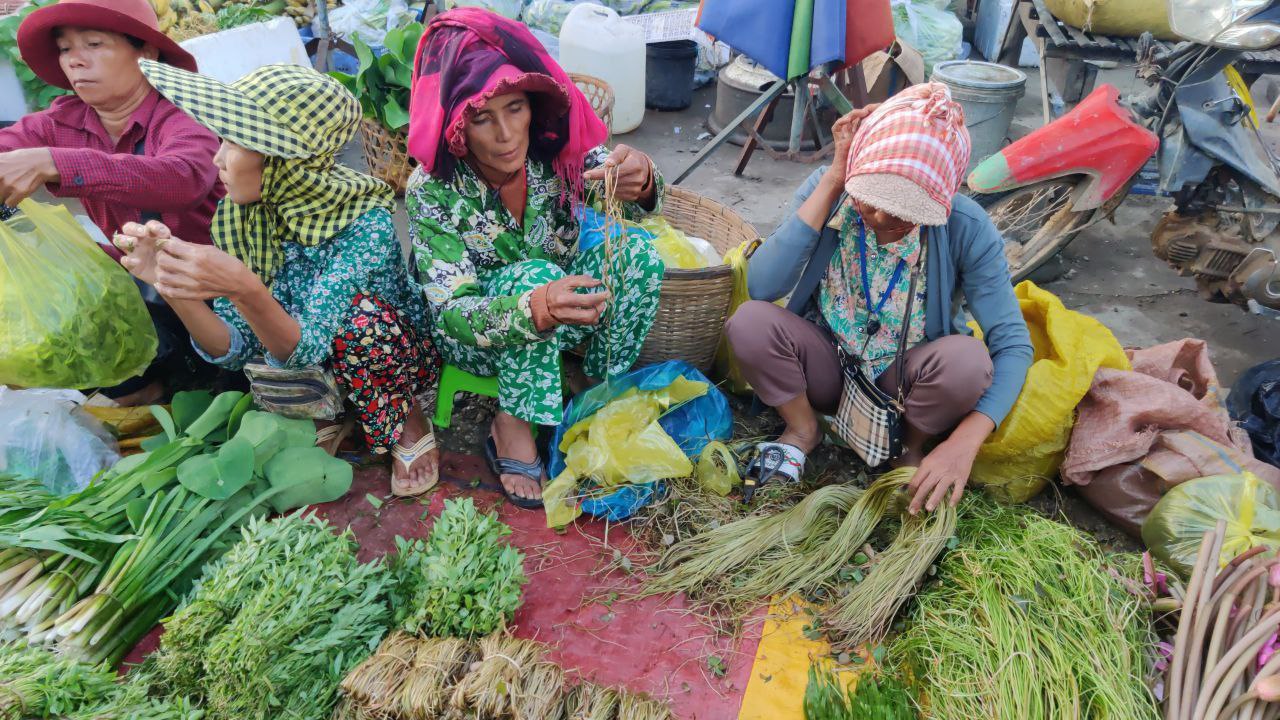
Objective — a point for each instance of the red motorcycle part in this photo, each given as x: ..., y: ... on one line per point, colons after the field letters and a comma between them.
x: 1098, y: 139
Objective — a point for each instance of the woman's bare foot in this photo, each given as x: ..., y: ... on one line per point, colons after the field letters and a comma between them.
x: 424, y: 472
x: 148, y: 395
x: 513, y: 438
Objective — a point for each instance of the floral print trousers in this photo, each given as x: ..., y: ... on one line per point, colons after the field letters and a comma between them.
x: 529, y: 376
x: 382, y: 367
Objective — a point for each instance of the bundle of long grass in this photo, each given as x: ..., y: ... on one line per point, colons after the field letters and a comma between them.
x: 539, y: 693
x: 437, y: 665
x: 714, y: 566
x: 376, y: 683
x: 1026, y: 621
x: 638, y: 706
x: 869, y: 609
x: 504, y: 660
x: 590, y: 701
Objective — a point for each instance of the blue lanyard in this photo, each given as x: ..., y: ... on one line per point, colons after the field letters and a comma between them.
x: 873, y: 325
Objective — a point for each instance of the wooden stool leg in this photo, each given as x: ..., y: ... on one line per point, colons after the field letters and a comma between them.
x: 762, y: 122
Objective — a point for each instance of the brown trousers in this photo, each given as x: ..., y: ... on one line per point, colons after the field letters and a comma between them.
x: 783, y: 356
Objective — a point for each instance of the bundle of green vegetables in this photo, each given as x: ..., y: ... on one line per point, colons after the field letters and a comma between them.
x: 275, y: 624
x: 36, y: 683
x: 1025, y: 621
x: 92, y: 573
x: 809, y: 550
x: 464, y: 581
x: 875, y: 697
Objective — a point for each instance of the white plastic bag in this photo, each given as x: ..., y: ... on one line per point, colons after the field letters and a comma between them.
x: 506, y: 8
x: 369, y: 20
x: 45, y: 436
x: 929, y: 27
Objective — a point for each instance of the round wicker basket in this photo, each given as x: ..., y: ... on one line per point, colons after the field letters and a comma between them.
x: 387, y: 153
x: 599, y: 94
x: 695, y: 303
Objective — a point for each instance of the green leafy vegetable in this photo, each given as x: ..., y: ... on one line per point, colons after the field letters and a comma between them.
x: 465, y: 582
x: 36, y: 683
x: 383, y: 82
x: 39, y: 93
x: 873, y: 698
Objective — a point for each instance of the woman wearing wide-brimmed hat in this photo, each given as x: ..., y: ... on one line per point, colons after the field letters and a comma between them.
x: 119, y: 147
x: 307, y: 272
x: 883, y: 221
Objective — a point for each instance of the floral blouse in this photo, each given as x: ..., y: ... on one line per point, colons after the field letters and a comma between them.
x: 462, y: 234
x: 841, y: 291
x: 317, y: 284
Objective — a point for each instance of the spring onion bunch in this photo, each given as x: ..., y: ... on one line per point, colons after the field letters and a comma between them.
x: 36, y: 683
x: 1026, y: 621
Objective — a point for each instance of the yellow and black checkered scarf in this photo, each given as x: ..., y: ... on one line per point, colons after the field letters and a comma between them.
x: 299, y: 120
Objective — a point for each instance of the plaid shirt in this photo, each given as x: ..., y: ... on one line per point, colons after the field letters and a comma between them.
x: 174, y: 177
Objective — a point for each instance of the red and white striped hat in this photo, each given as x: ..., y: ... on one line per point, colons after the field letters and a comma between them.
x: 909, y: 157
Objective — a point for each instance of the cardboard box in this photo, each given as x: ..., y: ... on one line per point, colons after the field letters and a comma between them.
x: 888, y: 73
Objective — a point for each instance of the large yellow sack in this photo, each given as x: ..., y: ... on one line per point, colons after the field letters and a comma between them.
x: 1124, y: 18
x: 726, y: 368
x: 1018, y: 460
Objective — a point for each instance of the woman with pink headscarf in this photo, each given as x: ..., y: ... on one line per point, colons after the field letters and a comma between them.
x: 884, y: 212
x: 506, y: 145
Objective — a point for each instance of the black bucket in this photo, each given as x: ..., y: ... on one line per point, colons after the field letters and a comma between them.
x: 669, y: 70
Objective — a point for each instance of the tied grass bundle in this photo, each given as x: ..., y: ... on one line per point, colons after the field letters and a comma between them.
x: 487, y: 688
x: 36, y: 683
x: 592, y: 702
x: 465, y: 582
x: 130, y: 702
x: 638, y: 706
x: 376, y: 683
x: 1027, y: 622
x: 438, y: 663
x: 874, y: 698
x: 539, y: 693
x: 867, y: 611
x: 716, y: 565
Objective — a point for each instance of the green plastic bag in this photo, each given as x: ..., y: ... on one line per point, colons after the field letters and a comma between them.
x: 70, y: 317
x: 1178, y: 522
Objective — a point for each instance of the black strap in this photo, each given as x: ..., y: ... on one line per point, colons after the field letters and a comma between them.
x: 828, y: 243
x: 147, y: 215
x: 906, y: 319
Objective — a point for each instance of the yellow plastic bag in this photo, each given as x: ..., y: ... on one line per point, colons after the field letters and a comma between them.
x: 726, y: 364
x: 1174, y: 528
x: 70, y: 317
x: 674, y: 246
x: 1018, y: 460
x: 620, y: 443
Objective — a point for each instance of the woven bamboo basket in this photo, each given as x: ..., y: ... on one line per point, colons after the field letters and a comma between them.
x: 599, y: 93
x: 695, y: 303
x: 387, y: 153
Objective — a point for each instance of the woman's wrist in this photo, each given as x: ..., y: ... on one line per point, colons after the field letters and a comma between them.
x: 540, y: 310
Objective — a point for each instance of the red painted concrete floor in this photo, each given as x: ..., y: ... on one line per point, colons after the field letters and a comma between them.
x: 570, y: 603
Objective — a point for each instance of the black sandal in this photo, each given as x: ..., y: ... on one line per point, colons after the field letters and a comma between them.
x: 767, y: 464
x: 506, y: 466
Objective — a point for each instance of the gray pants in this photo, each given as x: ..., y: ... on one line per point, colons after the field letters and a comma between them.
x: 784, y: 356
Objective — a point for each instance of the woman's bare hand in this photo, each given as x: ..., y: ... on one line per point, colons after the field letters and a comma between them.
x: 843, y: 131
x: 635, y: 174
x: 566, y: 306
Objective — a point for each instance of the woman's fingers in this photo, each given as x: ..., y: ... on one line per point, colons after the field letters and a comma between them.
x: 939, y: 493
x: 921, y: 487
x: 158, y: 229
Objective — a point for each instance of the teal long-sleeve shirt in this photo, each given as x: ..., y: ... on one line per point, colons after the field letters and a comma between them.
x: 965, y: 259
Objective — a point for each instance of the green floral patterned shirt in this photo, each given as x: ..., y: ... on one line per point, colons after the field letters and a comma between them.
x: 317, y: 284
x: 462, y: 234
x: 846, y: 310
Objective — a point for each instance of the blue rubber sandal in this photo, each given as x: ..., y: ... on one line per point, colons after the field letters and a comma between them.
x: 500, y: 466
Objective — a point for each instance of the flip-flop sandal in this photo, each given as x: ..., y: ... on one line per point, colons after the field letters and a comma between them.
x: 408, y: 456
x: 772, y: 461
x: 330, y: 438
x: 506, y: 466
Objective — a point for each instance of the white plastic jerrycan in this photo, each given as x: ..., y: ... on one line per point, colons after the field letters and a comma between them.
x: 595, y: 41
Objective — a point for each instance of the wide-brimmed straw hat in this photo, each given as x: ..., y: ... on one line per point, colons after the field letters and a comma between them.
x: 135, y: 18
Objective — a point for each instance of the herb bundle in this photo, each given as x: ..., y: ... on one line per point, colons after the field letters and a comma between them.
x: 36, y: 683
x: 873, y: 698
x: 464, y: 582
x: 1025, y: 621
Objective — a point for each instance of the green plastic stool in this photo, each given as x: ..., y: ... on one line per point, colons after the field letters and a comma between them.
x: 454, y: 380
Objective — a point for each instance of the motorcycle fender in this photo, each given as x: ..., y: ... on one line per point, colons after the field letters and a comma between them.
x: 1098, y: 140
x: 1218, y: 130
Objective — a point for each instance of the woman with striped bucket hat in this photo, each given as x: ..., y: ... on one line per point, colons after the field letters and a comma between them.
x: 874, y: 253
x: 306, y: 271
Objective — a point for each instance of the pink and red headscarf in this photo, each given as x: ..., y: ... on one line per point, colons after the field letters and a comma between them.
x: 909, y: 157
x: 468, y: 56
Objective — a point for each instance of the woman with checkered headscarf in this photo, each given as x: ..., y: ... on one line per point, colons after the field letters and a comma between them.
x: 883, y: 219
x: 307, y: 277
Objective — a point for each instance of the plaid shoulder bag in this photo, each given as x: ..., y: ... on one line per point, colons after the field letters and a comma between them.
x: 870, y: 420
